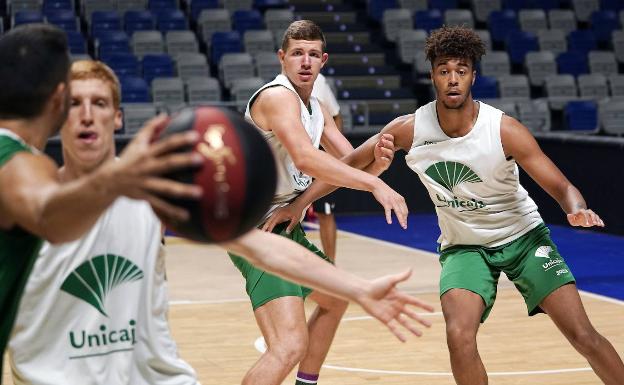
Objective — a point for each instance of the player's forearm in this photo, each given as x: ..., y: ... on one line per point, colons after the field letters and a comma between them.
x: 572, y: 200
x: 330, y: 170
x: 291, y: 261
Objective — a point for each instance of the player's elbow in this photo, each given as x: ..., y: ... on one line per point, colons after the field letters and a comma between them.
x: 304, y: 161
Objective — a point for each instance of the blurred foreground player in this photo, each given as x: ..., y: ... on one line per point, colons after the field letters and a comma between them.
x: 34, y: 205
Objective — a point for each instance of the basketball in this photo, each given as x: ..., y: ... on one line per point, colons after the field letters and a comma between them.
x: 238, y: 175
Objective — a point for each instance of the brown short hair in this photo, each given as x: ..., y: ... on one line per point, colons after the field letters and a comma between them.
x: 454, y: 41
x: 93, y: 69
x: 303, y: 30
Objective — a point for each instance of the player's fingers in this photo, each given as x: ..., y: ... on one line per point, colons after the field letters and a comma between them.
x: 403, y: 320
x: 394, y: 328
x: 417, y: 317
x: 151, y: 129
x: 388, y: 211
x: 292, y: 224
x: 416, y: 302
x: 175, y: 141
x: 268, y: 225
x: 171, y: 162
x: 172, y: 189
x: 171, y: 215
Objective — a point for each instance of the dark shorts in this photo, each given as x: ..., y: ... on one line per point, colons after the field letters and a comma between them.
x: 531, y: 262
x: 325, y: 205
x: 263, y: 287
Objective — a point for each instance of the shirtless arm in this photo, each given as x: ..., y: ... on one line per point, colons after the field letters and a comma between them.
x: 521, y: 145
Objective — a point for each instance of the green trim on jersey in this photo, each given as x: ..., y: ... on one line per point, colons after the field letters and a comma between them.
x: 18, y: 251
x: 531, y: 262
x: 263, y: 287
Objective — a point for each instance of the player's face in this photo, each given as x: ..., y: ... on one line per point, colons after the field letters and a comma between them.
x: 452, y: 79
x: 303, y: 61
x: 87, y: 135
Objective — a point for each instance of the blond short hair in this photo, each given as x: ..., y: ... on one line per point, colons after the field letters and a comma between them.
x: 93, y: 69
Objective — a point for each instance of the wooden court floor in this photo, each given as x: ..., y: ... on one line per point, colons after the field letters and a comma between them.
x: 213, y: 325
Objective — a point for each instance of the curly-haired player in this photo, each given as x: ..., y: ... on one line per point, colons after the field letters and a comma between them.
x: 467, y: 153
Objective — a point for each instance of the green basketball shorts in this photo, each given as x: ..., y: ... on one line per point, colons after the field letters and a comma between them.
x: 531, y: 262
x: 263, y: 287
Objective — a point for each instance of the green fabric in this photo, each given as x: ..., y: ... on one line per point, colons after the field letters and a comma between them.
x: 531, y: 262
x: 263, y: 287
x: 18, y: 251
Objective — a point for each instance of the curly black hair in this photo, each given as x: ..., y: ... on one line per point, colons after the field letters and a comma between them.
x: 454, y: 41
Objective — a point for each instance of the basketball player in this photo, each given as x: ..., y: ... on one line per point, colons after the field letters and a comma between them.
x: 94, y: 311
x: 34, y: 102
x: 324, y: 207
x: 466, y: 154
x: 295, y: 124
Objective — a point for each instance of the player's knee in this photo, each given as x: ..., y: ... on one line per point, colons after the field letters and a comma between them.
x: 585, y: 339
x: 292, y: 349
x: 460, y: 336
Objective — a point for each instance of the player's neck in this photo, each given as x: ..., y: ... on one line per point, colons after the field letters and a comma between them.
x: 74, y: 168
x: 30, y: 130
x: 457, y: 122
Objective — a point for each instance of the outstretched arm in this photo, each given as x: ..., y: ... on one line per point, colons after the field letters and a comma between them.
x: 522, y: 146
x: 278, y: 109
x: 375, y: 156
x: 380, y: 298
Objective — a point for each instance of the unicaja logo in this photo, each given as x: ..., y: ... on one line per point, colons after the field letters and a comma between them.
x: 94, y: 279
x: 449, y: 175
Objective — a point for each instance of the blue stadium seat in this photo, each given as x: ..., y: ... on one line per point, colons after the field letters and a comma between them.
x: 375, y: 93
x: 108, y: 42
x: 27, y: 17
x: 573, y: 63
x: 157, y: 66
x: 198, y: 5
x: 104, y: 21
x: 263, y: 5
x: 223, y: 42
x: 582, y: 41
x: 247, y: 20
x: 358, y: 70
x: 138, y: 21
x: 517, y: 5
x: 612, y: 5
x: 485, y: 87
x: 159, y: 5
x: 62, y: 18
x: 502, y: 23
x: 581, y: 115
x: 124, y: 64
x: 135, y: 90
x: 376, y: 8
x: 171, y: 20
x: 519, y: 43
x: 603, y: 23
x: 428, y: 20
x: 442, y: 5
x: 56, y: 5
x: 76, y: 42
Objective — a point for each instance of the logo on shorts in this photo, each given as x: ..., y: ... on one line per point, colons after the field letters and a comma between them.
x: 449, y: 175
x: 94, y: 279
x: 543, y: 251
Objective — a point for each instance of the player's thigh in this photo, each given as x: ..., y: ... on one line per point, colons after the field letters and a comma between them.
x: 283, y: 321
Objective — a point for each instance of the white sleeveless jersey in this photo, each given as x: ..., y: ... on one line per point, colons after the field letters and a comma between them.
x: 94, y: 311
x: 475, y: 189
x: 290, y: 181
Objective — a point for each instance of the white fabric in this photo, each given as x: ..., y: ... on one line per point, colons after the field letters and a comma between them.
x: 290, y: 180
x: 475, y: 189
x: 61, y: 338
x: 325, y: 95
